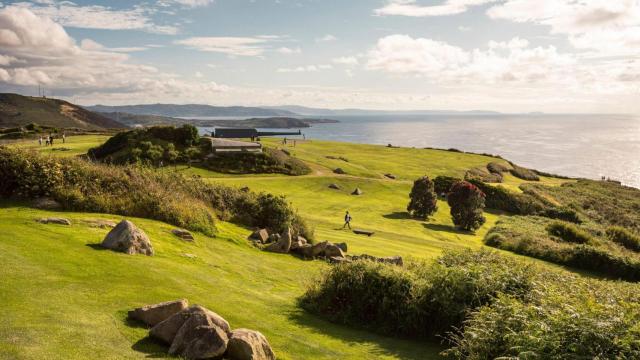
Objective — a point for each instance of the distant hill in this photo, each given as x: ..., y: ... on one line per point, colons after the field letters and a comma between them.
x: 279, y: 122
x: 303, y: 110
x: 191, y: 110
x: 17, y: 110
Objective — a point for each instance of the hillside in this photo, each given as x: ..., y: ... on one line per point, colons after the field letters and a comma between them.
x: 277, y: 122
x: 190, y: 110
x: 17, y: 110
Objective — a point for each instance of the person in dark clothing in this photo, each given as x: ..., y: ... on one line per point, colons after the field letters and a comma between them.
x: 347, y: 220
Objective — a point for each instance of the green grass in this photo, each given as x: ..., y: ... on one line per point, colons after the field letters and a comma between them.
x: 88, y: 291
x: 76, y: 145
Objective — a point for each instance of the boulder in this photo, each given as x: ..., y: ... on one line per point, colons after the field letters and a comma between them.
x: 46, y: 203
x: 334, y: 186
x: 261, y: 235
x: 298, y: 242
x: 167, y: 329
x: 342, y: 246
x: 182, y: 234
x: 305, y: 251
x: 154, y: 314
x: 274, y: 238
x: 339, y: 171
x: 338, y: 260
x: 357, y: 191
x: 127, y: 238
x: 332, y: 250
x: 55, y: 220
x: 318, y: 249
x: 198, y: 340
x: 249, y: 345
x: 283, y: 245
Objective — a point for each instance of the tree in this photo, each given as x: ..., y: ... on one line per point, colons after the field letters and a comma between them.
x: 136, y: 153
x: 467, y: 204
x: 191, y: 153
x: 424, y: 199
x: 170, y: 153
x: 154, y: 153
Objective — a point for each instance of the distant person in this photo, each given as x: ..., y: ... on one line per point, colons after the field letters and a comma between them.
x: 284, y: 141
x: 294, y: 143
x: 40, y: 141
x: 64, y: 138
x: 51, y: 140
x: 347, y: 220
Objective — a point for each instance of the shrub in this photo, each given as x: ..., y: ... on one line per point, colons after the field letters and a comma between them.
x: 483, y: 175
x: 269, y: 161
x: 423, y: 199
x: 467, y: 203
x: 442, y: 184
x: 421, y: 300
x: 524, y: 173
x: 569, y: 232
x: 497, y: 168
x: 498, y: 197
x: 624, y: 237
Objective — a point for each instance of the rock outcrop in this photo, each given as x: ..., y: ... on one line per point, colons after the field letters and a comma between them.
x: 283, y: 244
x: 247, y: 344
x: 182, y: 234
x: 55, y: 220
x: 357, y: 192
x: 334, y: 186
x: 129, y: 239
x: 156, y: 313
x: 261, y: 235
x: 168, y: 329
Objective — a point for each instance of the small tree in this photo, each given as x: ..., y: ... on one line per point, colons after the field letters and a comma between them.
x: 170, y: 154
x: 467, y: 203
x: 424, y: 199
x: 191, y: 153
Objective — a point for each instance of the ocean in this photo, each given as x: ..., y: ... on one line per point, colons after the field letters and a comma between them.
x: 588, y: 146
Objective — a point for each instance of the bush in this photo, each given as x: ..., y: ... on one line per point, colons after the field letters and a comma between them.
x: 423, y: 199
x: 497, y: 168
x: 483, y: 175
x: 524, y: 173
x: 624, y: 237
x: 422, y: 300
x: 442, y: 184
x: 269, y: 161
x: 497, y: 197
x: 467, y: 203
x: 569, y: 233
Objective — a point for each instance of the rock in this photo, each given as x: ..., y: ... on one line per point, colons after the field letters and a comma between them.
x: 342, y: 246
x: 339, y: 171
x: 190, y: 256
x: 305, y: 250
x: 332, y: 250
x: 390, y: 176
x: 182, y: 234
x: 283, y: 245
x: 249, y: 345
x: 299, y: 242
x: 318, y: 249
x: 261, y: 235
x: 167, y: 329
x: 46, y: 203
x: 199, y: 339
x: 55, y: 220
x: 392, y: 260
x: 101, y: 223
x: 338, y: 260
x: 154, y: 314
x: 357, y: 191
x: 245, y: 189
x: 127, y: 238
x: 334, y: 186
x: 274, y: 238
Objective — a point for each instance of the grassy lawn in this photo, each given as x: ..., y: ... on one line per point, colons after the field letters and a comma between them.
x: 74, y: 145
x: 65, y: 299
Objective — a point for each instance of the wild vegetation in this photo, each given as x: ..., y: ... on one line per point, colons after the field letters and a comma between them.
x: 423, y: 199
x: 269, y: 161
x: 467, y: 204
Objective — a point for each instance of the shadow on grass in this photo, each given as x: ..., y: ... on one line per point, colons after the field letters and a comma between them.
x: 397, y: 215
x: 447, y: 228
x: 387, y: 346
x: 98, y: 247
x: 153, y: 348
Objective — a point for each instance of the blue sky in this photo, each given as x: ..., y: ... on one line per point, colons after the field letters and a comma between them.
x: 506, y: 55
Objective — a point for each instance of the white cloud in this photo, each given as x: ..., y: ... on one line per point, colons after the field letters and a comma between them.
x: 412, y: 8
x: 289, y: 51
x: 609, y: 27
x: 235, y: 46
x: 186, y: 3
x: 37, y: 51
x: 198, y: 74
x: 326, y: 38
x: 345, y: 60
x: 307, y: 68
x: 515, y: 43
x: 464, y: 28
x: 70, y: 14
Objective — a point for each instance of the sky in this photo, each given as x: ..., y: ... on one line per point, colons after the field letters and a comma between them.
x: 562, y: 56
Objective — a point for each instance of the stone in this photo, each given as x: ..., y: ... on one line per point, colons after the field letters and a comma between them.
x: 305, y: 250
x: 283, y: 245
x: 392, y: 260
x: 334, y: 186
x: 245, y: 189
x: 342, y: 246
x: 167, y: 329
x: 274, y: 238
x: 55, y: 220
x: 357, y: 191
x: 339, y: 171
x: 199, y: 339
x: 318, y: 249
x: 127, y: 238
x: 182, y: 234
x: 298, y: 242
x: 261, y: 235
x: 390, y: 176
x: 332, y: 250
x: 156, y: 313
x: 247, y: 344
x: 190, y: 256
x: 46, y: 203
x: 339, y: 260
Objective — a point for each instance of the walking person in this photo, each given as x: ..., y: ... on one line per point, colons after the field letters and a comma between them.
x: 347, y: 220
x: 51, y: 140
x: 40, y: 141
x: 64, y: 138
